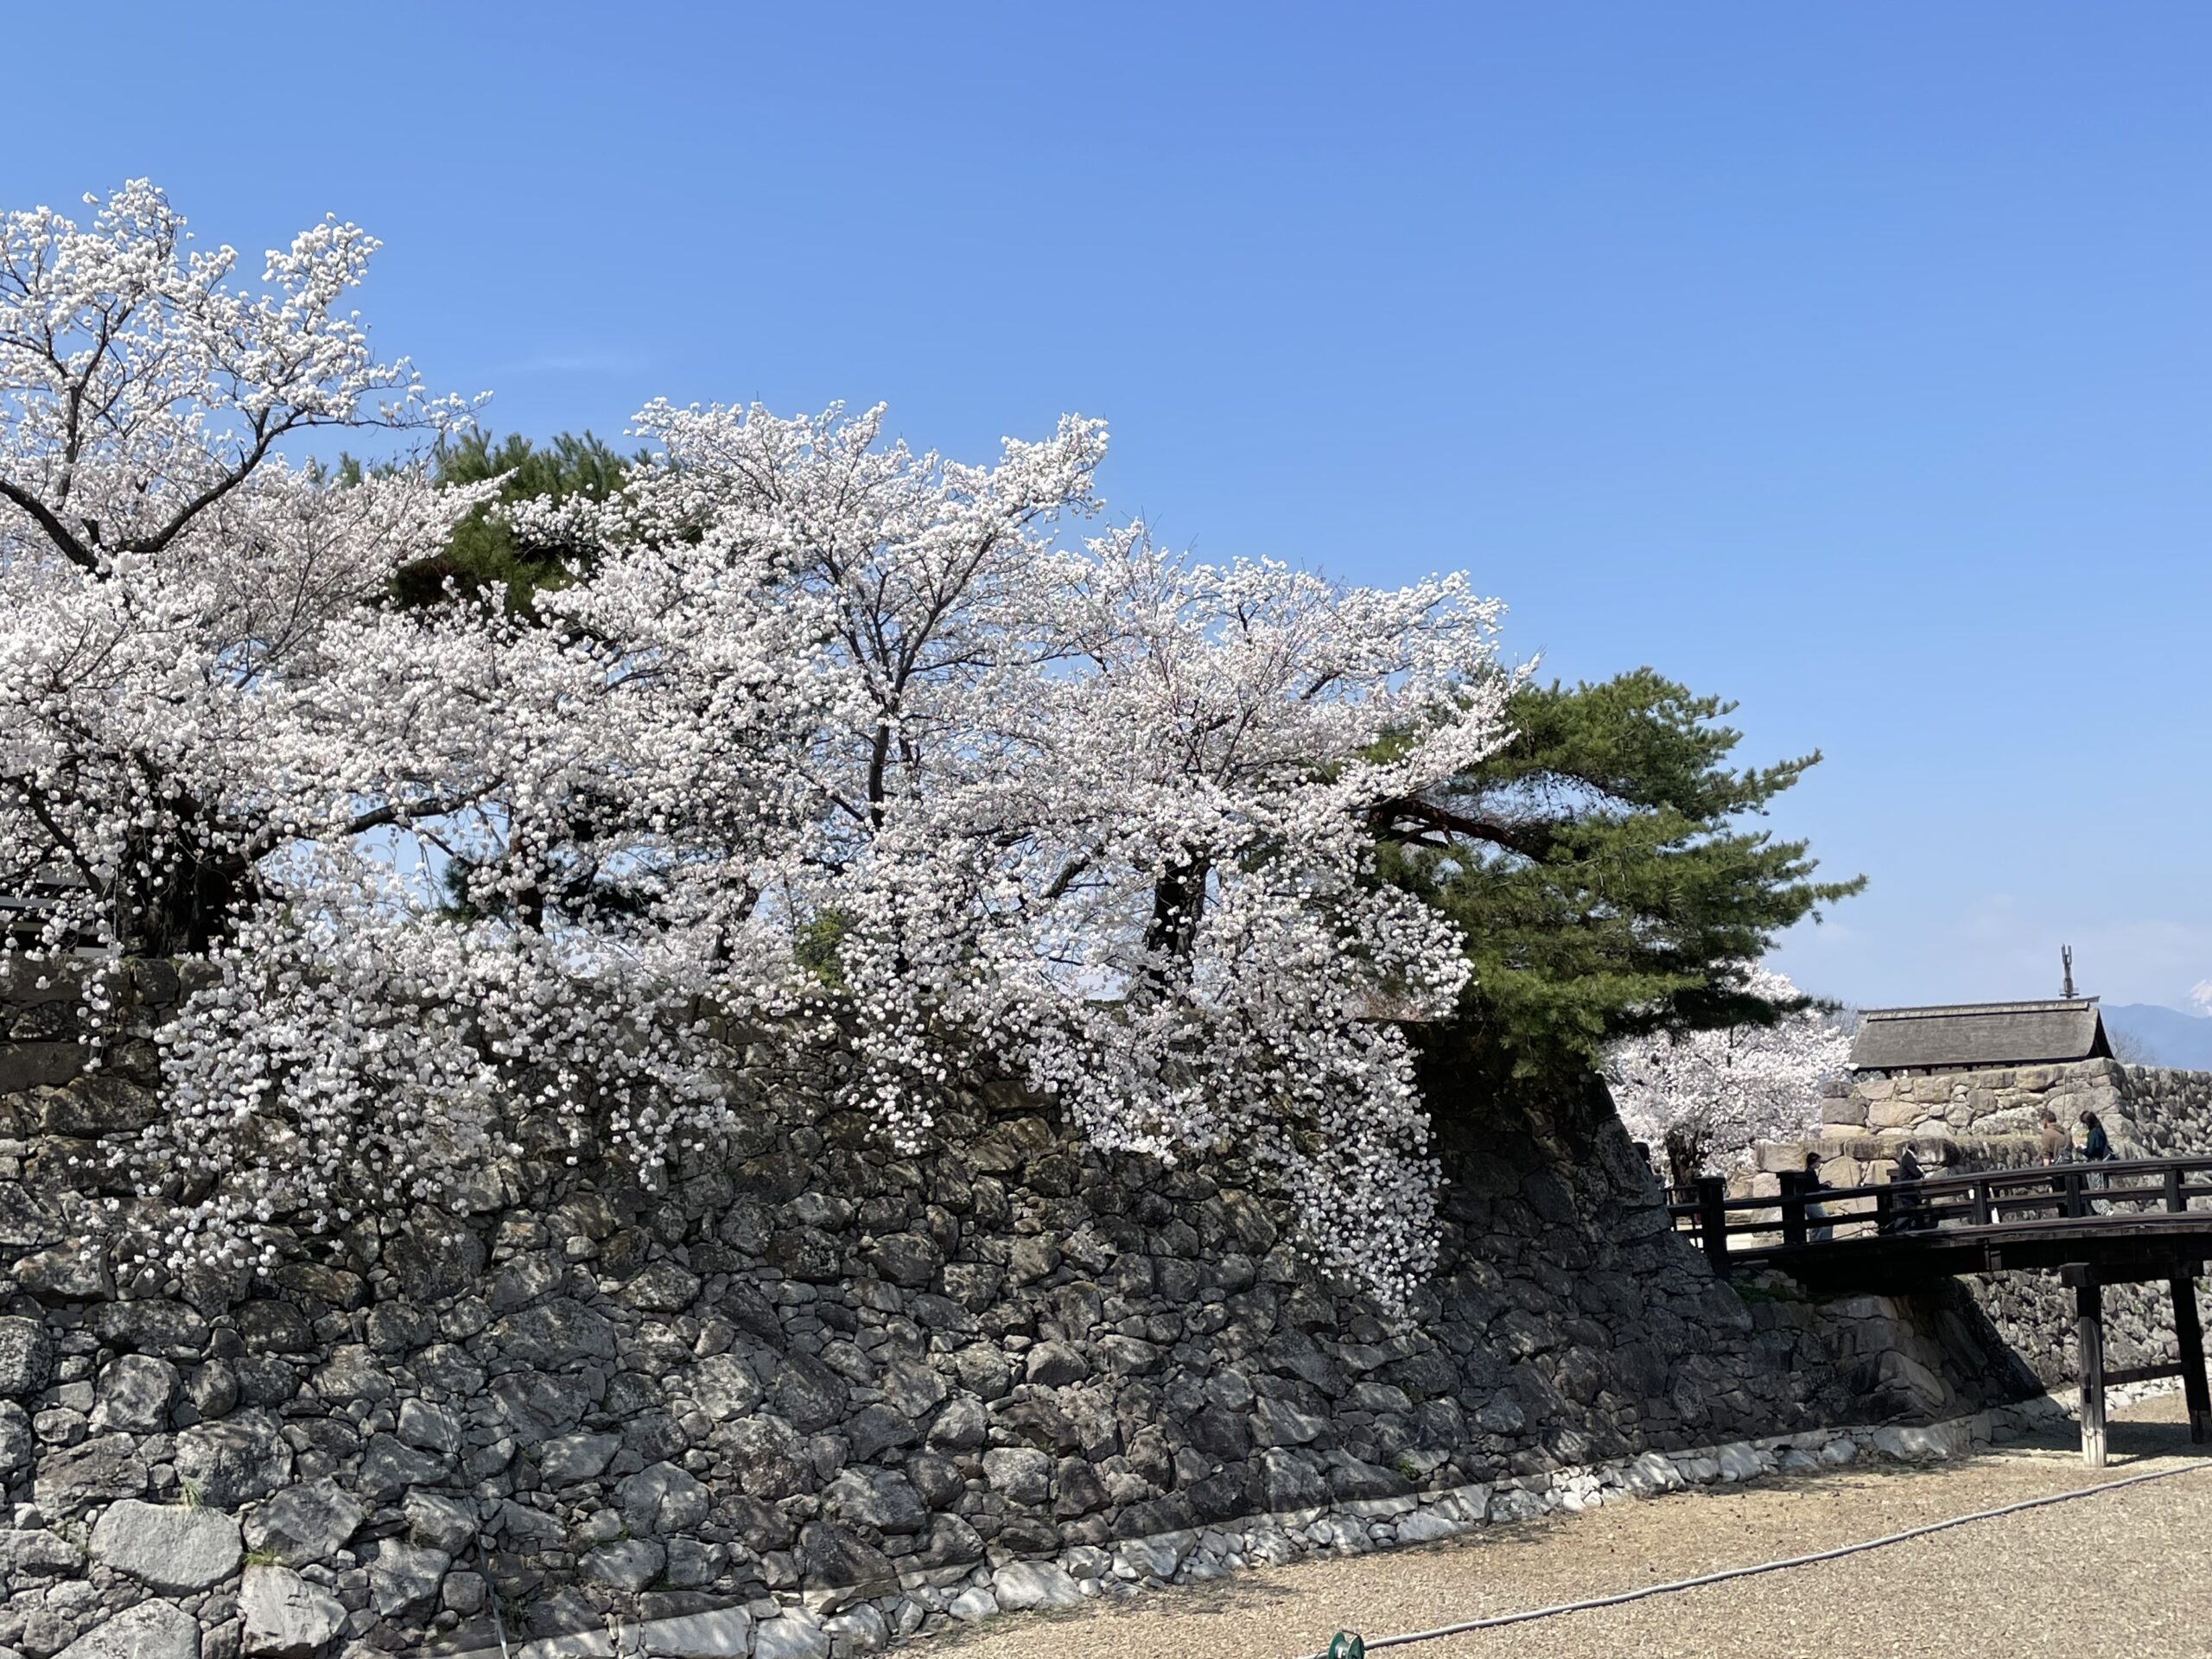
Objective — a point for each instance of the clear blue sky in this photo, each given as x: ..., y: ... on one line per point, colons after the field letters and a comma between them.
x: 1852, y: 361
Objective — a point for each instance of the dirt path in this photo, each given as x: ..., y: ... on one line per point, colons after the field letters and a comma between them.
x: 2127, y: 1572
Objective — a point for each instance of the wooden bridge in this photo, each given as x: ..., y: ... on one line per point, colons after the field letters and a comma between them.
x: 2111, y: 1222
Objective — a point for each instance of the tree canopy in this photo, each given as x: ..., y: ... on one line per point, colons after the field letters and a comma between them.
x: 1604, y: 878
x: 818, y: 732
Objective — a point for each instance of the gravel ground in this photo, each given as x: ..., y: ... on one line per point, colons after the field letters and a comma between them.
x: 2126, y: 1572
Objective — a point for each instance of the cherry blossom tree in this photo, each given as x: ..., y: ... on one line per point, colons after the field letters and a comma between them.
x: 1095, y: 810
x: 830, y: 739
x: 168, y: 576
x: 1704, y: 1098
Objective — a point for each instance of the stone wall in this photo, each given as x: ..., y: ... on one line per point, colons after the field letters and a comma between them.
x: 1990, y: 1115
x: 808, y: 1395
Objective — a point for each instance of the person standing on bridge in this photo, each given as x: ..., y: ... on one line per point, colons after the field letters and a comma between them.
x: 1819, y: 1229
x: 2096, y: 1148
x: 2057, y: 1147
x: 1906, y: 1204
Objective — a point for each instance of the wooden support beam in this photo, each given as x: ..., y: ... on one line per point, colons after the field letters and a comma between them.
x: 1793, y: 1206
x: 2142, y: 1374
x: 2089, y: 1342
x: 2189, y: 1336
x: 1712, y: 1219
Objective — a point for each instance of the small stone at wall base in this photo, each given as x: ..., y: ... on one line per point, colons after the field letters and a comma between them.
x: 720, y: 1635
x: 795, y: 1635
x: 1020, y: 1585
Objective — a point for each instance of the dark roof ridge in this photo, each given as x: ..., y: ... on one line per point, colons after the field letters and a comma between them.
x: 1931, y: 1010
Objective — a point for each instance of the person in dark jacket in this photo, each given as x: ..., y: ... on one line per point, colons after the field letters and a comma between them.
x: 2096, y: 1148
x: 1819, y: 1228
x: 1906, y: 1204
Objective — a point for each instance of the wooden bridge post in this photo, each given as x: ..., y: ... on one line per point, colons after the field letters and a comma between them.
x: 1794, y: 1182
x: 1712, y: 1219
x: 2089, y: 1341
x: 2188, y: 1336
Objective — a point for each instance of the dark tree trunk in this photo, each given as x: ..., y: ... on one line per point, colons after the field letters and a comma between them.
x: 1178, y: 900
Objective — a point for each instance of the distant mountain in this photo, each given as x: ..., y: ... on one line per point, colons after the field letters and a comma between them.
x: 2166, y: 1036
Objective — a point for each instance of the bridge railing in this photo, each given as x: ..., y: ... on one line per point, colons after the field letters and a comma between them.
x: 1806, y: 1213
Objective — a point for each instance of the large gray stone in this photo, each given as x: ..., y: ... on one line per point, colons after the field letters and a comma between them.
x: 974, y: 1603
x: 1056, y: 1364
x: 794, y: 1635
x: 98, y: 1472
x: 567, y: 1458
x: 724, y: 1634
x: 403, y: 1581
x: 1424, y: 1527
x: 860, y: 1629
x: 287, y: 1617
x: 1292, y: 1480
x: 840, y: 1566
x: 133, y: 1395
x: 173, y: 1329
x: 875, y: 1429
x: 32, y: 1553
x: 26, y: 1357
x: 767, y: 1457
x: 555, y: 1334
x: 907, y: 1259
x: 662, y: 1499
x: 389, y: 1467
x: 664, y: 1287
x: 950, y: 1542
x: 962, y: 1426
x: 152, y: 1630
x: 807, y: 1394
x: 236, y: 1460
x: 724, y: 1387
x: 911, y: 1388
x: 431, y: 1428
x: 626, y: 1564
x: 72, y: 1272
x: 1020, y: 1585
x: 882, y: 1498
x: 18, y: 1441
x: 306, y: 1523
x: 1023, y: 1474
x: 170, y: 1549
x: 351, y: 1374
x: 446, y: 1523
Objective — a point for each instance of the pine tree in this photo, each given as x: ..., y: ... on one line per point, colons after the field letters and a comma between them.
x: 1600, y: 870
x: 486, y: 553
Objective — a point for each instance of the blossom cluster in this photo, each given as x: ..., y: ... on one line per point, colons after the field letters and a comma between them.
x: 1705, y: 1098
x: 922, y: 759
